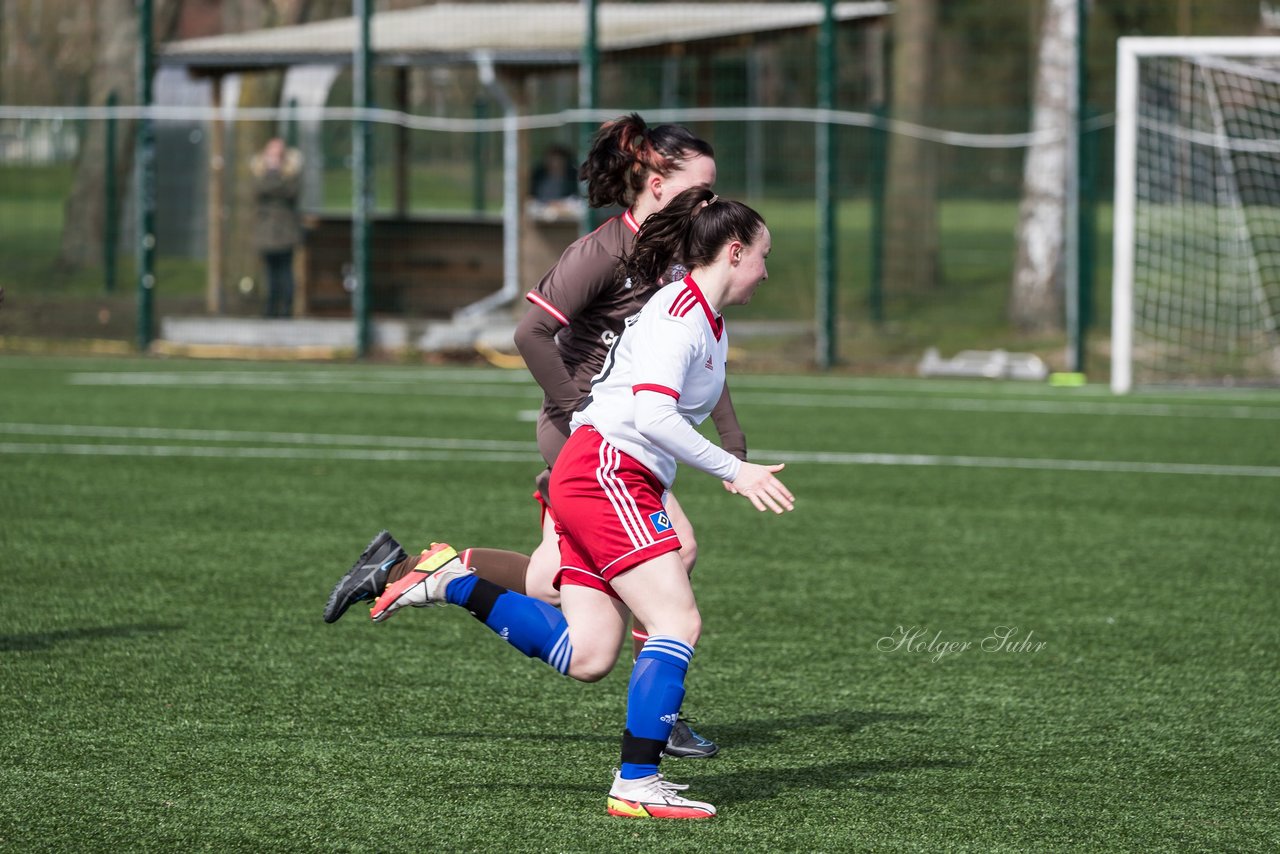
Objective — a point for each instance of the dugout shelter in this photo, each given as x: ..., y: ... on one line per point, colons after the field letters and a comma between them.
x: 469, y: 263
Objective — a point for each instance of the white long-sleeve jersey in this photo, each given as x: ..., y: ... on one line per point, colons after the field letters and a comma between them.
x: 661, y: 378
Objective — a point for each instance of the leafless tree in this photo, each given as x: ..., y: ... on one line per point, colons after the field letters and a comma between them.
x: 113, y: 47
x: 1036, y: 298
x: 911, y: 206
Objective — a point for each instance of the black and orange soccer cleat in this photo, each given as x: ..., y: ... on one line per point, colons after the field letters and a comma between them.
x: 367, y: 578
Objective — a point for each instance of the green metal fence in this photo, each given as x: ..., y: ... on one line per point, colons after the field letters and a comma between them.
x: 69, y: 231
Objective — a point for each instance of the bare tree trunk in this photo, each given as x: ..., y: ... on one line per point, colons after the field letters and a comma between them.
x: 114, y: 69
x: 44, y: 49
x: 911, y: 207
x: 1036, y: 298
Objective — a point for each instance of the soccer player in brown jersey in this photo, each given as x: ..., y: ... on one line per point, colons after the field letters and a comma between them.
x: 577, y: 310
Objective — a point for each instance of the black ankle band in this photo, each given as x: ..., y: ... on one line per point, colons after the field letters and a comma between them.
x: 641, y: 751
x: 482, y: 597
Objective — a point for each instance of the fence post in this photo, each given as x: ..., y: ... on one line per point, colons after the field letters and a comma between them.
x: 588, y: 80
x: 146, y: 181
x: 215, y: 247
x: 479, y: 158
x: 879, y: 164
x: 1088, y: 230
x: 110, y: 225
x: 1083, y: 260
x: 362, y: 185
x: 825, y: 179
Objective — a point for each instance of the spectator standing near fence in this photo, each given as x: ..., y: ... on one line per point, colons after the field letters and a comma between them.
x: 277, y: 181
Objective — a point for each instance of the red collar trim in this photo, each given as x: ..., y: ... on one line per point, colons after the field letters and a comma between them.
x: 716, y: 321
x: 630, y: 219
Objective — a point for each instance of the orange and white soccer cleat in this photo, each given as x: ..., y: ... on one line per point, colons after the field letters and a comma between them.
x: 423, y: 585
x: 654, y: 797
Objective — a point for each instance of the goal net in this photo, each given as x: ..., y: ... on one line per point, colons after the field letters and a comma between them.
x: 1196, y: 287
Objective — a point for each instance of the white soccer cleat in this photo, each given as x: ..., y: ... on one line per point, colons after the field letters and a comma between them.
x: 424, y: 585
x: 654, y: 797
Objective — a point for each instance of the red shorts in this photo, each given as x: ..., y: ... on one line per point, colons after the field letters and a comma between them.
x: 608, y: 512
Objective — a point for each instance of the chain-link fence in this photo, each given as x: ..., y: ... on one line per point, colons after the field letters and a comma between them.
x: 444, y: 148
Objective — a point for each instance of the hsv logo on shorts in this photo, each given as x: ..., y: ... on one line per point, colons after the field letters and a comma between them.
x: 660, y: 521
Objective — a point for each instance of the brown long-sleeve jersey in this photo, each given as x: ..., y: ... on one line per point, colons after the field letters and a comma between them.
x: 579, y: 309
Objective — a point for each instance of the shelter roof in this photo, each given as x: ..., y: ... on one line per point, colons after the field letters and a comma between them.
x: 505, y: 33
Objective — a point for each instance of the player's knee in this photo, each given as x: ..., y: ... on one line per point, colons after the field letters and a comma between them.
x: 688, y: 552
x: 694, y: 630
x: 687, y: 626
x: 591, y: 666
x: 542, y: 588
x: 540, y: 577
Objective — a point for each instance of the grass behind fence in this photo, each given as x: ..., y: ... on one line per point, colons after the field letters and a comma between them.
x: 967, y: 310
x: 166, y: 681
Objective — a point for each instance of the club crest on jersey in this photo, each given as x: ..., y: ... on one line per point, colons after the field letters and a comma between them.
x: 660, y: 521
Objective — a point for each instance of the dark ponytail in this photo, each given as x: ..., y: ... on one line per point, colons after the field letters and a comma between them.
x: 625, y: 150
x: 691, y: 229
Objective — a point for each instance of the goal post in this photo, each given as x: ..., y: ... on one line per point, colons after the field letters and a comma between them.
x: 1196, y: 229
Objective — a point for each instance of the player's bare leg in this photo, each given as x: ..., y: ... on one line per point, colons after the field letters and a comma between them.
x: 597, y: 623
x: 688, y: 556
x: 544, y: 565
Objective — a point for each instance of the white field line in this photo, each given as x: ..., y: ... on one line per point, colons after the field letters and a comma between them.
x: 313, y: 376
x: 1023, y: 407
x: 519, y: 385
x: 426, y: 386
x: 994, y: 388
x: 239, y: 453
x: 198, y: 435
x: 949, y: 461
x: 309, y: 377
x: 411, y: 449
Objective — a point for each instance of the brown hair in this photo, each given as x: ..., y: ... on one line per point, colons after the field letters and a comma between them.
x: 691, y: 229
x: 625, y: 150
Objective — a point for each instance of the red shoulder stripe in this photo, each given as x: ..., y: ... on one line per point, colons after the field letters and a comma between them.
x: 660, y: 389
x: 681, y: 304
x: 538, y: 300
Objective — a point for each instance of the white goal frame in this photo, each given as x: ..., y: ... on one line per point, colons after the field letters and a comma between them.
x: 1129, y: 50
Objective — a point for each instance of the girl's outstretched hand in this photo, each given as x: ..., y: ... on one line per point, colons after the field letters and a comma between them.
x: 758, y: 485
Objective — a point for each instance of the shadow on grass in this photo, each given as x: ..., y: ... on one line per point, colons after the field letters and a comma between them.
x: 837, y: 727
x: 762, y: 783
x: 753, y: 733
x: 730, y: 783
x: 795, y: 766
x: 37, y: 641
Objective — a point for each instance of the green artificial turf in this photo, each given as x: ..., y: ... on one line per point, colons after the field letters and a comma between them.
x: 166, y: 682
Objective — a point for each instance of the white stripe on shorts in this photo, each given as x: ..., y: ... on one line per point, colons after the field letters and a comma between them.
x: 616, y: 491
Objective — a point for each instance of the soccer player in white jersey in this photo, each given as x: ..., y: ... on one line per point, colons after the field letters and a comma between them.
x: 576, y: 311
x: 618, y: 549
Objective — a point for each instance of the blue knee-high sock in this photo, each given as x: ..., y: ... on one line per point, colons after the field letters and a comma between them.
x: 653, y: 703
x: 530, y: 625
